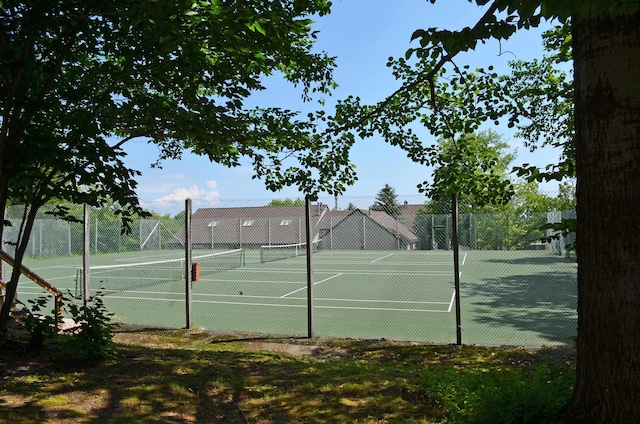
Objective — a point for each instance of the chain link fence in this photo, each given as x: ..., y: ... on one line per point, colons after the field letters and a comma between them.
x: 374, y: 274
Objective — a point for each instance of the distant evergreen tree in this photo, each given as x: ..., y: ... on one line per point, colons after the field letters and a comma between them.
x: 387, y: 201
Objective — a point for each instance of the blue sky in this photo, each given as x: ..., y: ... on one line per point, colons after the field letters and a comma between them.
x: 362, y: 34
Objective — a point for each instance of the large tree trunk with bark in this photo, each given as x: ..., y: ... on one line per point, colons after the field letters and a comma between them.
x: 607, y: 115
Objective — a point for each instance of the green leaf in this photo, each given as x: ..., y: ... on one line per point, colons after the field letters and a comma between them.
x: 255, y: 26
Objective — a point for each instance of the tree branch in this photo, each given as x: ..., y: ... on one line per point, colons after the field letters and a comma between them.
x: 428, y: 77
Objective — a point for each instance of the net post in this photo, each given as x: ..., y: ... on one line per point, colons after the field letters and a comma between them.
x: 187, y: 263
x: 309, y: 248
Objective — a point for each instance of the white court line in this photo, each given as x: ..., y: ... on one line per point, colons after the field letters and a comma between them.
x: 384, y: 257
x: 453, y: 296
x: 410, y: 302
x: 464, y: 259
x: 325, y: 299
x: 213, y: 280
x: 279, y: 305
x: 180, y: 298
x: 70, y: 277
x: 377, y: 309
x: 71, y: 266
x: 353, y: 271
x: 304, y: 288
x: 40, y: 291
x: 167, y: 256
x: 321, y: 307
x: 392, y: 264
x: 276, y: 270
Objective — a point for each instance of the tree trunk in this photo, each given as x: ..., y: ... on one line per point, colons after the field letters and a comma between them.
x: 12, y: 284
x: 607, y: 115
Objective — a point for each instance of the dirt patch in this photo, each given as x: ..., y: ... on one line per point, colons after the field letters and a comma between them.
x: 164, y: 338
x: 290, y: 349
x: 295, y: 349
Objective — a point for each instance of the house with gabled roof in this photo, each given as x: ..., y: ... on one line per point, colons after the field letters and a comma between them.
x: 251, y: 227
x: 365, y: 230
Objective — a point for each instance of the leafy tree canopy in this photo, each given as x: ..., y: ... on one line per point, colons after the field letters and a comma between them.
x: 539, y: 104
x: 286, y: 202
x: 474, y: 166
x: 79, y: 79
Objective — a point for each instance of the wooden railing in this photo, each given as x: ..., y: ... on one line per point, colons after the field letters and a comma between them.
x: 57, y: 294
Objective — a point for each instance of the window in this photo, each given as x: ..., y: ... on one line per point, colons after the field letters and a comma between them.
x: 247, y: 223
x: 286, y: 222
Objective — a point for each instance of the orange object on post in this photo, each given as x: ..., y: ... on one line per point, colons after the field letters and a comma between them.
x: 195, y: 272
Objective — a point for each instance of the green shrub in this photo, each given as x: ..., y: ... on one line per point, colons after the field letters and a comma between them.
x: 40, y: 327
x: 507, y: 395
x: 92, y: 338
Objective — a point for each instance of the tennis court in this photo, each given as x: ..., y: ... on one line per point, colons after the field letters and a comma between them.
x: 507, y: 297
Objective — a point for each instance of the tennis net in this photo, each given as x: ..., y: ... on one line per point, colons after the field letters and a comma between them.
x: 276, y: 252
x: 221, y: 261
x: 123, y: 277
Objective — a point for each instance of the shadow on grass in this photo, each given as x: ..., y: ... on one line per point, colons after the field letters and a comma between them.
x: 173, y: 385
x: 374, y: 382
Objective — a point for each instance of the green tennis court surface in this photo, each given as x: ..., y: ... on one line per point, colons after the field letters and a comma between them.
x: 507, y: 297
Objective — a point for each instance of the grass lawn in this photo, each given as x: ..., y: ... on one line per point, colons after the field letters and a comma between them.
x: 180, y: 376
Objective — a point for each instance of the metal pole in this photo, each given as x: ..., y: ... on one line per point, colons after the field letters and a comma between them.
x: 456, y: 265
x: 2, y: 247
x: 308, y: 235
x: 187, y: 261
x: 85, y: 254
x: 331, y: 232
x: 433, y: 233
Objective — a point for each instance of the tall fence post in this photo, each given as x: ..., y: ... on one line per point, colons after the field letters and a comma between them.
x: 86, y: 246
x: 187, y: 263
x: 455, y: 244
x: 309, y: 236
x: 2, y: 248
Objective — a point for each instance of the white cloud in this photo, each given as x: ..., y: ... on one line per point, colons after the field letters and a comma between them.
x: 173, y: 202
x: 213, y: 185
x: 210, y: 192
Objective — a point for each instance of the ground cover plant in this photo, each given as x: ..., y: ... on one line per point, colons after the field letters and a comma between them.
x: 180, y: 376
